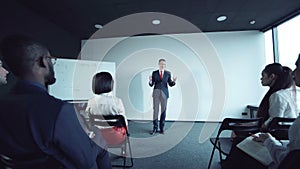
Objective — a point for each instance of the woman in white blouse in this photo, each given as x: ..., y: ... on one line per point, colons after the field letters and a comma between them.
x: 278, y: 101
x: 104, y: 103
x: 277, y: 151
x: 238, y: 159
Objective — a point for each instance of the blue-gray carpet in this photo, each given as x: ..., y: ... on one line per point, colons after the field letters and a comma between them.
x: 178, y: 148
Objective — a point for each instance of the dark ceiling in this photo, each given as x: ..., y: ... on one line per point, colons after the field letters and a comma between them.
x: 79, y: 16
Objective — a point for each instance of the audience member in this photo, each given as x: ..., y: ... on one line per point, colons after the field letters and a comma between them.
x: 3, y: 73
x: 278, y: 101
x: 104, y: 103
x: 38, y: 130
x: 238, y: 159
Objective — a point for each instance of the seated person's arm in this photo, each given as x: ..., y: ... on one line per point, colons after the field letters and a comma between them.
x: 121, y: 109
x: 276, y: 108
x: 277, y: 151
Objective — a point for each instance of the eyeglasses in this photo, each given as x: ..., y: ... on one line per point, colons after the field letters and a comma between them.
x: 52, y: 59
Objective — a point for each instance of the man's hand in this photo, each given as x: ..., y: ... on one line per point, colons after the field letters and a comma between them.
x: 174, y: 79
x: 150, y: 78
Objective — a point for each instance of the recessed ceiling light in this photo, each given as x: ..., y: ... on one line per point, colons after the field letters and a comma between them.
x: 155, y: 22
x: 98, y: 26
x: 221, y: 18
x: 252, y: 22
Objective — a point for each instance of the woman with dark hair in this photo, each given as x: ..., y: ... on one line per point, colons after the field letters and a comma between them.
x: 104, y: 103
x: 238, y: 159
x: 278, y: 101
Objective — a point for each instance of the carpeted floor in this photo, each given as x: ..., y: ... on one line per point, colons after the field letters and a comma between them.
x: 178, y: 148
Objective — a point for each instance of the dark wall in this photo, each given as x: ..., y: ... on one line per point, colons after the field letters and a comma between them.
x: 18, y: 19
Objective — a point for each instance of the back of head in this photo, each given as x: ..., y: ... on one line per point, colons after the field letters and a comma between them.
x: 20, y: 52
x: 102, y: 83
x: 287, y: 77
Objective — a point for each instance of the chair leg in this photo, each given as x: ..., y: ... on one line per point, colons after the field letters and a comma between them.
x: 220, y: 154
x: 124, y: 156
x: 211, y: 157
x: 130, y: 153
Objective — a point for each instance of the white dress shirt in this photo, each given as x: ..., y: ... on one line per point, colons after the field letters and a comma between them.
x: 282, y: 104
x: 106, y: 104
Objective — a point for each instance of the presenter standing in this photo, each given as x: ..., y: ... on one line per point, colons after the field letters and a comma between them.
x: 160, y: 79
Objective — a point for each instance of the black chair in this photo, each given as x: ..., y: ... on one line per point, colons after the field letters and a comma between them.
x: 6, y: 162
x: 253, y: 110
x: 119, y: 121
x: 279, y: 127
x: 291, y: 161
x: 224, y: 144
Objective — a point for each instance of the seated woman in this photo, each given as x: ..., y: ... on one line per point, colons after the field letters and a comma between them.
x: 104, y: 103
x: 278, y: 101
x: 238, y: 159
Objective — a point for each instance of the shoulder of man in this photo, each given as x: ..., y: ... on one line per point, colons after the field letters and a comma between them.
x: 167, y: 72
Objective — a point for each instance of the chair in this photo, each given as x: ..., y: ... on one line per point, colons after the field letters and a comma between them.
x: 6, y: 162
x: 223, y: 144
x: 279, y: 127
x: 252, y: 110
x: 119, y: 121
x: 291, y: 161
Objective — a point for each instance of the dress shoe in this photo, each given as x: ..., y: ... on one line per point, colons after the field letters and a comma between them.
x: 161, y: 132
x: 153, y: 131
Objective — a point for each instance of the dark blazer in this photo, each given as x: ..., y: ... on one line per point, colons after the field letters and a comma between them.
x: 162, y: 84
x: 40, y: 131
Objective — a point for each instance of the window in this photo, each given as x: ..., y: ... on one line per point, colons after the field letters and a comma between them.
x: 288, y: 47
x: 288, y: 42
x: 269, y: 47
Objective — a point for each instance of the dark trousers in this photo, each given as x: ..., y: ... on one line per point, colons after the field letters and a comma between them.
x: 159, y: 98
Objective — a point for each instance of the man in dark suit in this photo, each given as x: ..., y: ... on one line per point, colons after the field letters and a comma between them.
x: 37, y: 130
x: 160, y: 78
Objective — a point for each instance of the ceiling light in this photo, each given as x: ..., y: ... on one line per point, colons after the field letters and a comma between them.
x: 98, y: 26
x: 155, y: 22
x: 252, y: 22
x: 221, y: 18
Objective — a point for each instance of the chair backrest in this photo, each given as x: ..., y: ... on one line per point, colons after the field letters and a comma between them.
x: 6, y: 162
x: 251, y: 125
x: 279, y: 127
x: 291, y: 161
x: 108, y: 120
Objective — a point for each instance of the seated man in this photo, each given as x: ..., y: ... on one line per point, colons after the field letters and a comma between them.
x: 38, y: 130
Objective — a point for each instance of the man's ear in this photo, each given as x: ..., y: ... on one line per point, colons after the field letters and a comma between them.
x: 42, y: 61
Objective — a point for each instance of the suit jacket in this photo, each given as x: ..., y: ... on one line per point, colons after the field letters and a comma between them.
x: 40, y: 131
x: 163, y: 83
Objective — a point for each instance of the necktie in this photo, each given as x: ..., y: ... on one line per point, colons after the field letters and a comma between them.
x: 161, y: 75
